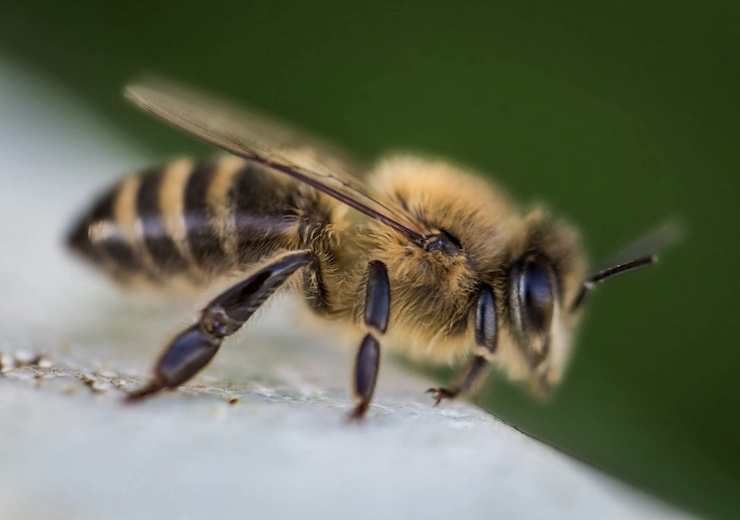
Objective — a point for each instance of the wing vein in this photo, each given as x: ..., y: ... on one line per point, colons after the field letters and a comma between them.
x: 255, y: 138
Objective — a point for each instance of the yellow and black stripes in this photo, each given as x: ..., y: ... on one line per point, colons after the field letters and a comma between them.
x: 220, y: 197
x: 153, y: 217
x: 168, y: 211
x: 203, y: 241
x: 99, y: 238
x: 196, y: 220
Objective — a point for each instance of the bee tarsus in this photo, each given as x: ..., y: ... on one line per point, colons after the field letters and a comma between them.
x: 439, y: 394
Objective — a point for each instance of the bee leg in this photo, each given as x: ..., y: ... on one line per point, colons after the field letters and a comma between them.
x: 377, y: 309
x: 486, y: 337
x: 470, y: 376
x: 192, y: 349
x: 314, y: 289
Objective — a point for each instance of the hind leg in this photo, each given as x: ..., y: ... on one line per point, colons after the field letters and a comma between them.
x: 190, y: 351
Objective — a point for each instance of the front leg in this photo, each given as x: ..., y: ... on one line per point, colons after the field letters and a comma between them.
x: 486, y: 337
x: 192, y: 349
x: 377, y: 310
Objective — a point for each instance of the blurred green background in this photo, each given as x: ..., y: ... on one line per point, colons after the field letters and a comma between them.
x: 617, y: 114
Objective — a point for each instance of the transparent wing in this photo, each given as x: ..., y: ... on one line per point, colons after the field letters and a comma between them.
x: 256, y: 138
x: 641, y: 254
x: 646, y: 247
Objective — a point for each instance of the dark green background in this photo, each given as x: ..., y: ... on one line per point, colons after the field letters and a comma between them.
x: 618, y: 114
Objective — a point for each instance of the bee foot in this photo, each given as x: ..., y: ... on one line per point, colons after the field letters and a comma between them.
x: 141, y: 393
x: 358, y: 414
x: 441, y: 393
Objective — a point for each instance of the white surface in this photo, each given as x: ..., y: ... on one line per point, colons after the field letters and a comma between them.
x: 262, y: 433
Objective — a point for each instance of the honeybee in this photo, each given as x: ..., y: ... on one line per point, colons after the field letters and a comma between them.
x: 419, y: 254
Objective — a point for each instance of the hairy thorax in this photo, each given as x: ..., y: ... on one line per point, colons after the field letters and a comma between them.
x: 432, y: 292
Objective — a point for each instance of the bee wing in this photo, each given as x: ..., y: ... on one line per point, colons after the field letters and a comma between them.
x: 646, y: 247
x: 253, y: 137
x: 636, y: 256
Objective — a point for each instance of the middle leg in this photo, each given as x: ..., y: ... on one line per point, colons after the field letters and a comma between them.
x: 376, y: 313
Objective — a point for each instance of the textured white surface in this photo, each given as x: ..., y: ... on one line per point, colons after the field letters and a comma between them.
x: 262, y: 433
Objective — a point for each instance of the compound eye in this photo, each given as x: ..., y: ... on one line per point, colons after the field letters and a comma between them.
x: 533, y: 293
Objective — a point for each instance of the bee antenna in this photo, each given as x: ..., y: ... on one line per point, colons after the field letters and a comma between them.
x: 610, y: 272
x: 630, y: 259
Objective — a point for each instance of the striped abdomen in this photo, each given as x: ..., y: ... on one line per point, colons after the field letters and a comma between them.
x: 199, y: 220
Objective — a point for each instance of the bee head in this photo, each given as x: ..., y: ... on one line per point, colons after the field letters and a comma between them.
x: 547, y: 287
x: 545, y: 275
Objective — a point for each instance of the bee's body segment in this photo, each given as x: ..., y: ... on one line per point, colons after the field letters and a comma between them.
x: 198, y: 220
x: 435, y: 260
x: 159, y: 211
